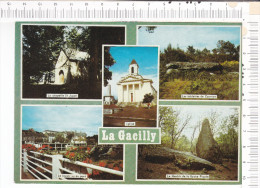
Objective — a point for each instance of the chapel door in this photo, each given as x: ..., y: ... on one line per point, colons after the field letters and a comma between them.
x: 132, y: 97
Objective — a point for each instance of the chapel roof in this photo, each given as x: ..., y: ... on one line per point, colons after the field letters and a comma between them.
x: 76, y: 55
x: 134, y: 62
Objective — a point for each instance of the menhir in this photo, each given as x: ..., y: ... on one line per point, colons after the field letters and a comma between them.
x: 206, y: 147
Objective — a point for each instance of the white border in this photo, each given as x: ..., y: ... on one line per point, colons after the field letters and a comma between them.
x: 65, y: 24
x: 197, y: 24
x: 200, y: 181
x: 74, y: 181
x: 158, y: 80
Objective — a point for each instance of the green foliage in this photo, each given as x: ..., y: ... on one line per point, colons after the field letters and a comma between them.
x: 231, y: 66
x: 172, y: 127
x: 183, y: 144
x: 70, y: 136
x: 225, y: 86
x: 41, y: 47
x: 228, y: 137
x: 108, y: 61
x: 59, y: 138
x: 148, y: 98
x: 223, y: 82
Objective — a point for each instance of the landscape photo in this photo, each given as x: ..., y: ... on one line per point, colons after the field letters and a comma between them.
x: 61, y: 143
x: 197, y: 143
x: 197, y: 62
x: 130, y: 87
x: 65, y: 61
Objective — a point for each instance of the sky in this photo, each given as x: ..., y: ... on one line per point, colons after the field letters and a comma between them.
x: 86, y: 119
x: 199, y: 113
x: 199, y: 37
x: 146, y: 58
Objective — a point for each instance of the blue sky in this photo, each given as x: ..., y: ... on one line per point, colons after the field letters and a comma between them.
x: 62, y: 118
x: 146, y: 58
x: 183, y: 36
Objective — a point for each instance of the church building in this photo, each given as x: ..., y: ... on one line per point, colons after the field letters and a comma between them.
x: 68, y: 65
x: 133, y: 87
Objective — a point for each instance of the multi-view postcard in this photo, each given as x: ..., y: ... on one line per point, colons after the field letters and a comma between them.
x: 128, y: 103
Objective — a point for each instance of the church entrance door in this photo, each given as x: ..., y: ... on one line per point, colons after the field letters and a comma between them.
x: 132, y: 97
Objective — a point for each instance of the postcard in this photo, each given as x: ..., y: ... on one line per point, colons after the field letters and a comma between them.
x: 128, y: 103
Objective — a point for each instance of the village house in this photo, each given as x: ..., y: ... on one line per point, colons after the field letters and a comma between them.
x: 50, y: 135
x: 133, y: 87
x: 79, y: 138
x: 33, y: 137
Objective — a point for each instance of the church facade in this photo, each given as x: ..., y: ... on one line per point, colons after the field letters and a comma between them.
x: 133, y: 87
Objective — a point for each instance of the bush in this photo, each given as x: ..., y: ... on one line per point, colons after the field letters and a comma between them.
x: 231, y: 66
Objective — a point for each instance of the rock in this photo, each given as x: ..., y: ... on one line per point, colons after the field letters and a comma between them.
x: 206, y: 147
x: 159, y: 155
x: 207, y: 66
x: 186, y: 160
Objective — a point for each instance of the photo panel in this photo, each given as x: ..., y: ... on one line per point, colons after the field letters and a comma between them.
x: 64, y: 61
x: 130, y: 86
x: 197, y: 62
x: 60, y: 143
x: 198, y: 143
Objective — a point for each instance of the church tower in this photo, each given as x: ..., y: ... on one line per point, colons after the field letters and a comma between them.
x: 133, y: 68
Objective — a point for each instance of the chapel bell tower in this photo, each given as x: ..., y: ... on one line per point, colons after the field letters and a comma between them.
x: 133, y: 68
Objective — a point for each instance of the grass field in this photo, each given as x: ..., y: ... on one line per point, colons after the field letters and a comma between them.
x: 226, y: 87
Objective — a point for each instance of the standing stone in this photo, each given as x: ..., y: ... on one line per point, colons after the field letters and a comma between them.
x: 206, y: 147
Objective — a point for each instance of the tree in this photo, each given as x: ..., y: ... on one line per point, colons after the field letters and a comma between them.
x: 227, y: 51
x: 91, y: 40
x: 148, y: 98
x: 213, y: 119
x: 59, y: 137
x: 191, y: 50
x: 149, y: 29
x: 41, y: 47
x: 171, y: 124
x: 109, y: 61
x: 183, y: 144
x: 70, y: 135
x: 228, y: 137
x: 191, y: 53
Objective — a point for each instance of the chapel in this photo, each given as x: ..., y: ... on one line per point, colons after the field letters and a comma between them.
x: 68, y: 65
x: 133, y: 87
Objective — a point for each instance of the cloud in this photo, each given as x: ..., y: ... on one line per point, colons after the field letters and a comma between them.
x: 151, y: 68
x: 199, y: 37
x: 62, y: 118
